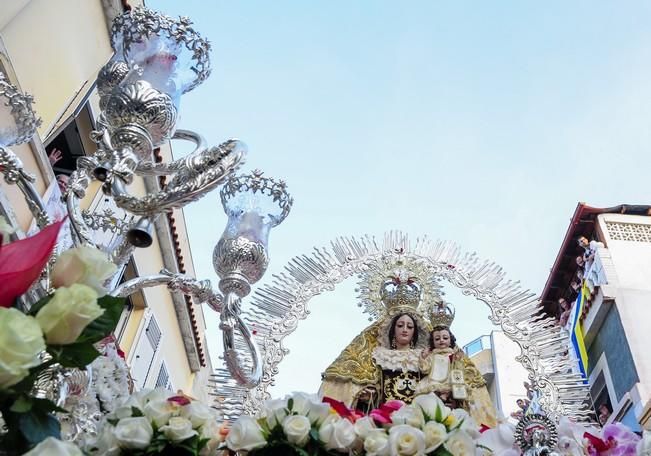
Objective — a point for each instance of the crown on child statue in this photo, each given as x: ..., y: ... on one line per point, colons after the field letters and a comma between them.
x: 442, y: 315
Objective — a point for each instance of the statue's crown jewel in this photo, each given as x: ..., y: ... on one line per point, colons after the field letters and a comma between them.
x: 442, y: 315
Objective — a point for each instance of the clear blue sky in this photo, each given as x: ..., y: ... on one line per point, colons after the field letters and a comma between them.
x: 479, y: 122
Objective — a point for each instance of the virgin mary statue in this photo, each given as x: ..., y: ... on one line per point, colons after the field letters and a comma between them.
x: 383, y: 362
x: 397, y: 357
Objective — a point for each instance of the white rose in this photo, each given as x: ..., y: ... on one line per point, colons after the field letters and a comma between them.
x: 197, y: 413
x: 432, y: 406
x: 245, y: 435
x: 410, y: 415
x: 85, y: 265
x: 68, y: 313
x: 297, y: 429
x: 134, y: 433
x: 318, y: 412
x: 157, y: 394
x: 337, y: 433
x: 210, y: 430
x: 460, y: 443
x: 309, y: 405
x: 122, y: 412
x: 275, y: 411
x: 465, y: 422
x: 300, y: 403
x: 435, y: 434
x: 178, y: 429
x: 376, y: 443
x: 160, y: 411
x: 54, y: 447
x: 405, y: 440
x: 498, y: 439
x: 106, y: 443
x: 21, y: 340
x: 363, y: 426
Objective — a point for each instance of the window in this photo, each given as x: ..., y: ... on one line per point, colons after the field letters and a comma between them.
x: 153, y: 333
x: 163, y: 380
x: 148, y: 343
x: 600, y: 396
x: 602, y: 390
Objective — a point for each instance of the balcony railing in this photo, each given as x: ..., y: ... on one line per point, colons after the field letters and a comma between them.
x: 477, y: 345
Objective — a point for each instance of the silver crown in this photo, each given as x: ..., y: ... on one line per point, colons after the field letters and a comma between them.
x: 442, y: 315
x: 403, y: 292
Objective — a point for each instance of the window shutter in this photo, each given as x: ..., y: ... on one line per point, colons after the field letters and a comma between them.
x: 147, y: 346
x: 163, y: 380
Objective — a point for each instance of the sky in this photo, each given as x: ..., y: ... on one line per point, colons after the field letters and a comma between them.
x: 483, y: 123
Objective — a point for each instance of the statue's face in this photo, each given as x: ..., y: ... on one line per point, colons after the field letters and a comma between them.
x: 404, y: 331
x: 441, y: 339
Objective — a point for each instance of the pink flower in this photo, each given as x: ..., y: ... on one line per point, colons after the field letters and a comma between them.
x: 620, y: 439
x: 382, y: 414
x: 179, y: 400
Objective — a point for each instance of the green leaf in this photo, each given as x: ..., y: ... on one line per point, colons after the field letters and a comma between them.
x: 21, y: 405
x: 290, y: 404
x: 38, y: 305
x: 438, y: 415
x: 103, y: 325
x: 135, y: 411
x: 442, y: 451
x: 79, y: 354
x: 37, y: 426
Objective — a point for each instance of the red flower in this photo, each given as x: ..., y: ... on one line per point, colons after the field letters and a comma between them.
x: 180, y: 400
x: 596, y: 442
x: 342, y: 410
x: 21, y: 262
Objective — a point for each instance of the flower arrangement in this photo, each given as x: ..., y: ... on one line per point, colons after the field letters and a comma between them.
x: 152, y: 422
x: 301, y: 424
x: 58, y: 330
x: 574, y: 439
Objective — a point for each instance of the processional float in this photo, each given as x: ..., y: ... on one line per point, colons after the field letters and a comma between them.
x: 156, y: 60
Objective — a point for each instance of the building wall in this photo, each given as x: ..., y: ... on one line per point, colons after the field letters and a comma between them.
x: 611, y: 340
x: 628, y: 239
x: 56, y: 51
x: 509, y: 374
x: 53, y: 49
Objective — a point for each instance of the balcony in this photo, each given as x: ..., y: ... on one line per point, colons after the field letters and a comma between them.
x: 480, y: 351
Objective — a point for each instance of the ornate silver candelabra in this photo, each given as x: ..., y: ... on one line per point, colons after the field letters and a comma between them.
x: 157, y: 59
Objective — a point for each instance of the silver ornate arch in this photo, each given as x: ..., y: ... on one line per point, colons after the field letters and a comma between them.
x: 278, y: 307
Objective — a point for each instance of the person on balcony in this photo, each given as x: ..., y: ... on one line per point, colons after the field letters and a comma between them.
x: 593, y: 268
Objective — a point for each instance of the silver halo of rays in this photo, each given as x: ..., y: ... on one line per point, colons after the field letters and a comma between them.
x: 277, y: 308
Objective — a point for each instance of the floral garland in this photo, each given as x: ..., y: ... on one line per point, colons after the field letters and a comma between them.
x: 158, y: 422
x: 302, y: 425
